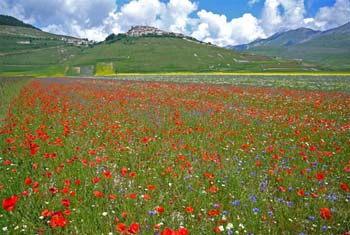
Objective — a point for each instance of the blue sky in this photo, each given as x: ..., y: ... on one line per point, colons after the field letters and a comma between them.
x: 222, y: 22
x: 235, y: 8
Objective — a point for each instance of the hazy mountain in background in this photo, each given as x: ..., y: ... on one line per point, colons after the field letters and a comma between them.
x: 330, y: 48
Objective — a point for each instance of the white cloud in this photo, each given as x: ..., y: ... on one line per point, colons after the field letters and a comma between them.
x: 145, y: 12
x: 172, y: 16
x: 330, y: 17
x: 252, y: 2
x: 281, y: 15
x: 72, y: 17
x: 218, y: 30
x: 96, y: 19
x: 176, y: 18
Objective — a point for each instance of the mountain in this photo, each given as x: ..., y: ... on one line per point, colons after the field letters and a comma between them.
x: 26, y: 50
x: 288, y: 38
x: 330, y: 48
x: 12, y: 21
x: 32, y: 52
x: 145, y: 49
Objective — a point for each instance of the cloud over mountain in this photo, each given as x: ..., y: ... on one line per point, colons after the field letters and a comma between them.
x: 96, y: 19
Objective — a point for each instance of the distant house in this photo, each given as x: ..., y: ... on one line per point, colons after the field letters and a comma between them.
x: 77, y: 41
x: 24, y: 42
x: 140, y: 30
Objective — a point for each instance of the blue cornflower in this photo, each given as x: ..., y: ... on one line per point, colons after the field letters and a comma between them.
x: 289, y: 204
x: 152, y: 213
x: 236, y: 203
x: 252, y: 198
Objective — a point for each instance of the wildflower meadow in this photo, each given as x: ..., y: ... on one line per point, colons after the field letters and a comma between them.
x: 92, y: 156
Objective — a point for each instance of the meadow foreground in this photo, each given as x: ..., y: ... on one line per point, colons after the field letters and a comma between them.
x: 83, y: 156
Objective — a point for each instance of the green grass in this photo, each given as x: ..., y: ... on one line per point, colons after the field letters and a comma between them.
x: 44, y: 55
x: 246, y: 158
x: 9, y: 89
x: 46, y: 52
x: 332, y: 52
x: 149, y: 54
x: 105, y: 69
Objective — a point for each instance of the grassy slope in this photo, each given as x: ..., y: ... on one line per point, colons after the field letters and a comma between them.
x: 332, y: 51
x: 12, y: 21
x: 48, y: 55
x: 45, y: 54
x: 150, y: 54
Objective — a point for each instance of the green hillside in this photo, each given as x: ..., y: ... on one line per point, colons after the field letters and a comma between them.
x: 11, y: 21
x: 168, y: 54
x: 26, y: 50
x: 32, y: 52
x: 330, y: 48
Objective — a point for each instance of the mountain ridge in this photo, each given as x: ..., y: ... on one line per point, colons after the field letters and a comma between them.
x: 12, y: 21
x: 330, y: 47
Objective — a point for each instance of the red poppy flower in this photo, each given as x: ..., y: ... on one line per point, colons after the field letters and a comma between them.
x: 213, y: 189
x: 92, y: 152
x: 189, y: 209
x: 326, y: 214
x: 112, y: 197
x: 98, y: 194
x: 28, y: 181
x: 121, y: 227
x: 58, y: 221
x: 320, y: 176
x: 9, y: 203
x: 146, y: 139
x: 67, y: 212
x: 151, y: 187
x: 344, y: 187
x: 35, y: 184
x: 124, y: 171
x: 213, y: 212
x: 53, y: 190
x: 107, y: 174
x: 146, y: 197
x: 257, y: 163
x: 95, y: 180
x: 134, y: 228
x: 65, y: 202
x: 301, y: 192
x: 183, y: 231
x: 46, y: 213
x: 167, y: 231
x: 160, y: 209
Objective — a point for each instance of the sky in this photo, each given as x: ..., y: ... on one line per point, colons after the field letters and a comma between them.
x: 221, y: 22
